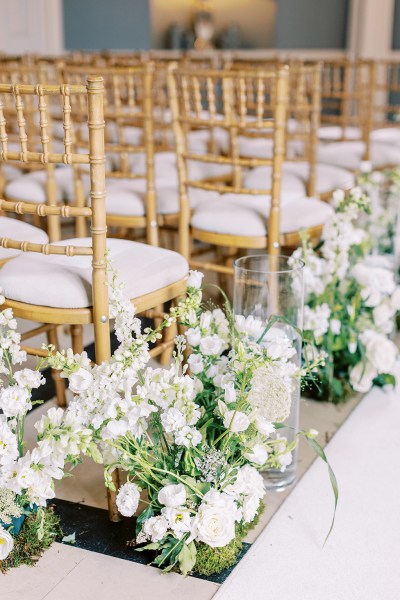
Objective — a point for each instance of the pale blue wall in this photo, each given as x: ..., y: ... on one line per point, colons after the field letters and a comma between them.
x: 311, y: 23
x: 101, y: 24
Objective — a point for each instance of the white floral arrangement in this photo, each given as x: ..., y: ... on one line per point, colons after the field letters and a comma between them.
x: 27, y: 477
x: 351, y: 303
x: 191, y: 442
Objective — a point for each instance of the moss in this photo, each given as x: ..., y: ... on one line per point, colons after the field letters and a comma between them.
x: 27, y: 547
x: 214, y: 560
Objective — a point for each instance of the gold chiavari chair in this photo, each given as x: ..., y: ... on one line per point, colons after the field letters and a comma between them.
x: 386, y: 106
x: 347, y: 117
x: 301, y: 173
x: 66, y: 282
x: 241, y: 103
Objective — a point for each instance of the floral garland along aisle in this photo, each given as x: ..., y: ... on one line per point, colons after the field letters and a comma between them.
x: 351, y: 303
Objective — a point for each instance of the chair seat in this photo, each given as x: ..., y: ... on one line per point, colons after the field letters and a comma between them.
x: 334, y: 133
x: 128, y: 197
x: 31, y: 187
x: 10, y: 172
x: 20, y: 232
x: 247, y: 215
x: 349, y: 155
x: 66, y: 282
x: 295, y: 175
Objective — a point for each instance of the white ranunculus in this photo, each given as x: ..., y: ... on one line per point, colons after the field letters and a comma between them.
x: 15, y: 401
x: 28, y: 378
x: 128, y: 499
x: 6, y: 543
x: 155, y: 528
x: 335, y: 326
x: 214, y: 526
x: 80, y: 381
x: 193, y: 336
x: 250, y: 507
x: 195, y: 363
x: 211, y: 345
x: 258, y: 454
x: 236, y: 421
x: 172, y: 495
x: 380, y: 351
x: 195, y: 279
x: 362, y: 376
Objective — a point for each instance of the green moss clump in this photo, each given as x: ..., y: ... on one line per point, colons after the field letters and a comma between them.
x: 27, y: 547
x: 214, y: 560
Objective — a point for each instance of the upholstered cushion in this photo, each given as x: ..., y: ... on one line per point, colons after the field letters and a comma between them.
x: 327, y: 177
x: 387, y: 135
x: 31, y: 187
x: 333, y: 133
x: 20, y: 232
x: 11, y: 172
x: 349, y: 155
x: 247, y: 215
x: 128, y: 197
x: 66, y: 282
x: 260, y: 179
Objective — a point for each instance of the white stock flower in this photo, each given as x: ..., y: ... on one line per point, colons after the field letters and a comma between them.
x: 172, y: 420
x: 211, y: 345
x: 362, y: 376
x: 229, y: 392
x: 335, y: 326
x: 196, y: 364
x: 236, y: 421
x: 172, y: 495
x: 128, y: 499
x: 250, y: 326
x: 258, y: 454
x: 195, y: 279
x: 28, y: 378
x: 8, y: 443
x: 188, y: 437
x: 337, y: 197
x: 352, y: 347
x: 317, y: 319
x: 193, y: 336
x: 6, y: 543
x: 380, y: 351
x: 80, y: 381
x: 15, y: 401
x: 155, y: 528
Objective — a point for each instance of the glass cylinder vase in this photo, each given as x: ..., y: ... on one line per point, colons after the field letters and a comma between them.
x: 268, y: 286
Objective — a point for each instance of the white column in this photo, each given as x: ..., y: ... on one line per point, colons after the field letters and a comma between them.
x: 370, y: 29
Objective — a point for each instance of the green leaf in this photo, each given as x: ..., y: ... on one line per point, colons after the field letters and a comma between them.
x: 152, y: 546
x: 69, y: 539
x: 320, y: 452
x: 187, y: 558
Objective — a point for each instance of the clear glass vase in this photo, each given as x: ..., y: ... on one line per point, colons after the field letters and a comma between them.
x: 266, y: 286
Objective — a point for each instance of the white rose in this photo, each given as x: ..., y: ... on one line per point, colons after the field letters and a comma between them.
x: 15, y: 401
x: 211, y: 345
x: 193, y: 336
x: 6, y: 543
x: 383, y: 317
x: 196, y: 364
x: 155, y: 528
x: 395, y: 299
x: 128, y: 499
x: 80, y: 381
x: 195, y: 279
x: 362, y: 376
x: 250, y: 507
x: 335, y: 326
x: 28, y: 378
x: 172, y: 495
x: 258, y: 454
x: 236, y: 421
x: 382, y: 353
x: 214, y: 526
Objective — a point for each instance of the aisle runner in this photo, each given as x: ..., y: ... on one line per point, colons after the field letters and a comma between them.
x: 360, y: 561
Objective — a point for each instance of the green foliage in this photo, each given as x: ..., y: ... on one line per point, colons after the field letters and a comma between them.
x: 28, y: 548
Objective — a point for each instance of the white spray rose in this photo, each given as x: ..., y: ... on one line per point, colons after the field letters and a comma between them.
x: 236, y: 421
x: 128, y: 499
x: 155, y: 528
x: 250, y: 507
x: 80, y: 381
x: 195, y: 279
x: 172, y: 495
x: 258, y: 454
x: 211, y: 345
x: 6, y: 543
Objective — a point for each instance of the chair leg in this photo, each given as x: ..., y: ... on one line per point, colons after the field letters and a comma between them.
x: 59, y: 383
x: 113, y: 513
x: 77, y: 338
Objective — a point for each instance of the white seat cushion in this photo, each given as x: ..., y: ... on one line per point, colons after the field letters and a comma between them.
x: 128, y: 197
x: 66, y: 282
x: 31, y: 187
x: 20, y: 232
x: 247, y: 215
x: 260, y: 179
x: 11, y: 172
x: 334, y: 133
x: 327, y: 177
x: 349, y: 155
x: 387, y: 135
